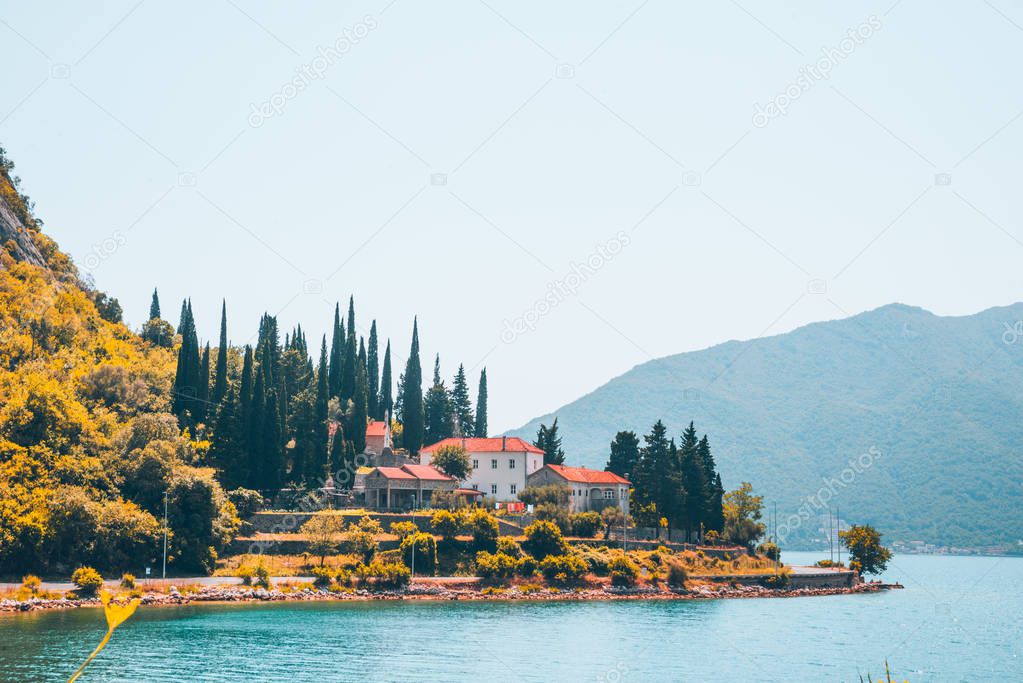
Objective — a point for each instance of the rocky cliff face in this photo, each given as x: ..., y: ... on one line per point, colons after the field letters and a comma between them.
x: 15, y: 237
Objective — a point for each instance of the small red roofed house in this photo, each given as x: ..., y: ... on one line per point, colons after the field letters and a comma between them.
x: 405, y: 488
x: 500, y: 465
x: 590, y: 489
x: 378, y: 436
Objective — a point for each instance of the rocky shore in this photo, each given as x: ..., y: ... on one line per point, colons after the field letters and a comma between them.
x: 231, y: 594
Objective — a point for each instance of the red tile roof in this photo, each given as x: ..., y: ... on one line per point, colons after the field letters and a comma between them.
x: 479, y: 445
x: 395, y: 473
x: 426, y: 472
x: 584, y: 475
x: 376, y: 428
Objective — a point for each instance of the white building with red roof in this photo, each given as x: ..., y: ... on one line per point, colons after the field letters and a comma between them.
x: 500, y: 465
x: 590, y: 489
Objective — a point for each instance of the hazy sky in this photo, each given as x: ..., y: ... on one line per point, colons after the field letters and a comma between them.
x: 560, y: 190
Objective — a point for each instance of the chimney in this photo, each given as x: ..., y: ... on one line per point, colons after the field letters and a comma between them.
x: 504, y: 443
x: 463, y: 442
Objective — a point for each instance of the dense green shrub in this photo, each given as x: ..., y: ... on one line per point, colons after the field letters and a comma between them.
x: 484, y: 529
x: 87, y: 581
x: 544, y: 538
x: 554, y: 513
x: 262, y: 575
x: 677, y: 575
x: 597, y: 558
x: 425, y: 553
x: 509, y: 546
x: 770, y: 550
x: 495, y: 566
x: 446, y: 524
x: 245, y: 573
x: 776, y: 581
x: 586, y: 524
x: 322, y: 577
x: 128, y: 581
x: 624, y: 571
x: 563, y: 570
x: 526, y: 566
x: 551, y: 494
x: 384, y: 574
x: 31, y: 583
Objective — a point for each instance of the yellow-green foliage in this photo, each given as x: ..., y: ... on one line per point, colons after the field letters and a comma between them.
x: 84, y: 457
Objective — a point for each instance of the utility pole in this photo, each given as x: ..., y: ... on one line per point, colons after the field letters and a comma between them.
x: 831, y: 538
x: 165, y: 493
x: 838, y: 538
x: 414, y: 534
x: 775, y: 537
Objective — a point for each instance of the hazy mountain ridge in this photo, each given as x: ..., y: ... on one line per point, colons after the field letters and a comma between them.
x: 938, y: 397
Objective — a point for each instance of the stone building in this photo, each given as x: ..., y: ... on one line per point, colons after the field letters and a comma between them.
x: 590, y: 489
x: 404, y: 488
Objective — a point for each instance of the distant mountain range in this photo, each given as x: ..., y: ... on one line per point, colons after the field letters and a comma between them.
x: 929, y: 409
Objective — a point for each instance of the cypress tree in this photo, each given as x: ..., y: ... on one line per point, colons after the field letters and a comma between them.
x: 548, y: 440
x: 624, y: 454
x: 220, y: 380
x: 154, y: 306
x: 713, y: 513
x: 322, y: 408
x: 461, y: 404
x: 272, y: 451
x: 183, y: 316
x: 186, y: 378
x: 246, y: 388
x: 373, y: 374
x: 227, y: 448
x: 202, y: 394
x: 351, y: 357
x: 481, y: 406
x: 337, y: 344
x: 655, y: 476
x: 385, y: 404
x: 693, y: 479
x: 254, y: 443
x: 360, y: 411
x: 437, y: 408
x: 412, y: 397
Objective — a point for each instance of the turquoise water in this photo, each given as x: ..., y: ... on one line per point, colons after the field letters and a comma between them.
x: 959, y: 619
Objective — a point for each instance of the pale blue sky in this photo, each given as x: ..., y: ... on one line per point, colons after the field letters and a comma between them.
x: 557, y: 126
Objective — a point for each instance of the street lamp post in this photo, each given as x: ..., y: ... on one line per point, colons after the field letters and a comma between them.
x: 165, y: 493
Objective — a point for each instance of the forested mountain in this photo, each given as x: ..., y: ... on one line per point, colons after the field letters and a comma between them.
x: 931, y: 403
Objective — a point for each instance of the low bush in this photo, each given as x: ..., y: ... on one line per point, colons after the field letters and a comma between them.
x: 509, y: 546
x: 262, y: 575
x: 827, y: 564
x: 563, y: 570
x: 776, y: 581
x: 770, y: 550
x: 526, y: 566
x: 677, y: 575
x: 624, y: 572
x: 493, y: 567
x: 246, y: 574
x: 585, y: 524
x: 31, y: 584
x: 446, y: 524
x: 322, y: 577
x: 597, y: 558
x: 484, y: 529
x: 87, y: 581
x: 544, y: 538
x: 425, y: 548
x: 403, y: 529
x: 128, y: 581
x: 384, y: 574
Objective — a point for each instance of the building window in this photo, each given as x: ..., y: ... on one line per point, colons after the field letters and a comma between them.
x: 493, y: 487
x: 511, y: 463
x: 476, y: 487
x: 475, y: 464
x: 514, y: 489
x: 609, y: 494
x: 493, y: 466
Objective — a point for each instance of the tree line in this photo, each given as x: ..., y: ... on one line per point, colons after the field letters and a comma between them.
x: 273, y: 417
x: 678, y: 482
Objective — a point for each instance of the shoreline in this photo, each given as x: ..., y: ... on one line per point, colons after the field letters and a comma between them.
x: 228, y: 596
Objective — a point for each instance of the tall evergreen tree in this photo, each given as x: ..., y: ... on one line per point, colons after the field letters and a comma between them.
x: 548, y: 440
x: 254, y: 443
x: 360, y: 411
x: 461, y: 404
x: 373, y: 373
x: 183, y: 316
x: 220, y: 379
x: 227, y: 449
x: 481, y: 407
x: 656, y: 478
x: 272, y: 451
x: 351, y: 356
x: 385, y: 403
x: 186, y: 378
x: 154, y: 306
x: 713, y: 515
x: 322, y: 409
x: 693, y: 480
x: 437, y: 408
x: 412, y: 397
x: 202, y: 386
x: 624, y: 454
x: 337, y: 347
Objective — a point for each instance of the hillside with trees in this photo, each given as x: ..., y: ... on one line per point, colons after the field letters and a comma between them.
x: 930, y: 404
